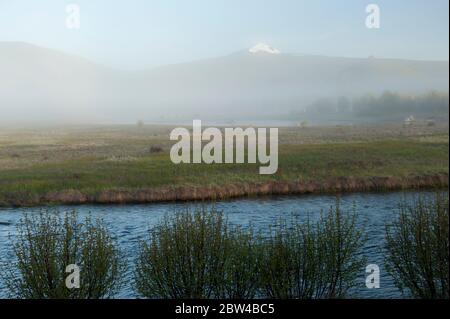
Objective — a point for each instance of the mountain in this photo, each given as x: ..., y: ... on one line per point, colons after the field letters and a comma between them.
x: 38, y: 83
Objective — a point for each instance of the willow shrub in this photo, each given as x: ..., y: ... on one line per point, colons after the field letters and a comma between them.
x: 47, y: 243
x: 197, y: 255
x: 242, y: 265
x: 417, y: 248
x: 313, y: 259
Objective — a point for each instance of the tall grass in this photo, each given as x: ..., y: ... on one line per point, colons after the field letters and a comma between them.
x: 417, y: 246
x: 46, y: 244
x: 199, y: 255
x: 313, y: 260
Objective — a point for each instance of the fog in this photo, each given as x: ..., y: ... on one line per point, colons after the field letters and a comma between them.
x: 43, y: 85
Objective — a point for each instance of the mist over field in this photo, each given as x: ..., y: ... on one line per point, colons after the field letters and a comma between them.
x: 237, y: 151
x: 39, y: 84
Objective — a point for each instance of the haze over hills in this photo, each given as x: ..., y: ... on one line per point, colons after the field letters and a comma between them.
x: 40, y: 84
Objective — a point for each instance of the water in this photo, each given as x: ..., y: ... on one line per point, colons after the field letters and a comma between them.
x: 130, y: 224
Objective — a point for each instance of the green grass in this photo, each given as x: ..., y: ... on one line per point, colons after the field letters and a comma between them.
x: 122, y: 161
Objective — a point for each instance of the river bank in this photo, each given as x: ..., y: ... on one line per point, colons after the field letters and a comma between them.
x: 236, y: 190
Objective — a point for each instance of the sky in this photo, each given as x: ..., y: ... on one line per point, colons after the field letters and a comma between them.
x: 147, y: 33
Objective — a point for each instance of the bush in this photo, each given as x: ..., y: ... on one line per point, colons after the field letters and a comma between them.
x: 197, y: 255
x: 313, y: 260
x: 242, y: 265
x: 155, y: 149
x: 417, y: 246
x: 46, y: 244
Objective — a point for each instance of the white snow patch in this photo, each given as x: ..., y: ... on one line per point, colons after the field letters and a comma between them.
x: 264, y: 48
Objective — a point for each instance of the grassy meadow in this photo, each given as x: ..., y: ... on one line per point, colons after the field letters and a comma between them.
x: 92, y: 159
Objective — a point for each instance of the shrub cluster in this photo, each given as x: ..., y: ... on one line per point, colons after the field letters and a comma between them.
x: 46, y: 244
x: 417, y: 248
x: 197, y: 255
x: 313, y: 260
x: 200, y: 255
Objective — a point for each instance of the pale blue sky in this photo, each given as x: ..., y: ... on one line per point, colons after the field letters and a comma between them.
x: 138, y: 33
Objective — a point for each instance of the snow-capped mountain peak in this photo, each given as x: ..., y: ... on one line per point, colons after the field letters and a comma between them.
x: 263, y: 48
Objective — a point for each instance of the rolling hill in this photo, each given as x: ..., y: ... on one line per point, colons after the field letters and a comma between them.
x: 43, y: 84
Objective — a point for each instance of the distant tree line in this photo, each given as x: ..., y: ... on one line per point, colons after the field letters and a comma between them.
x: 387, y: 105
